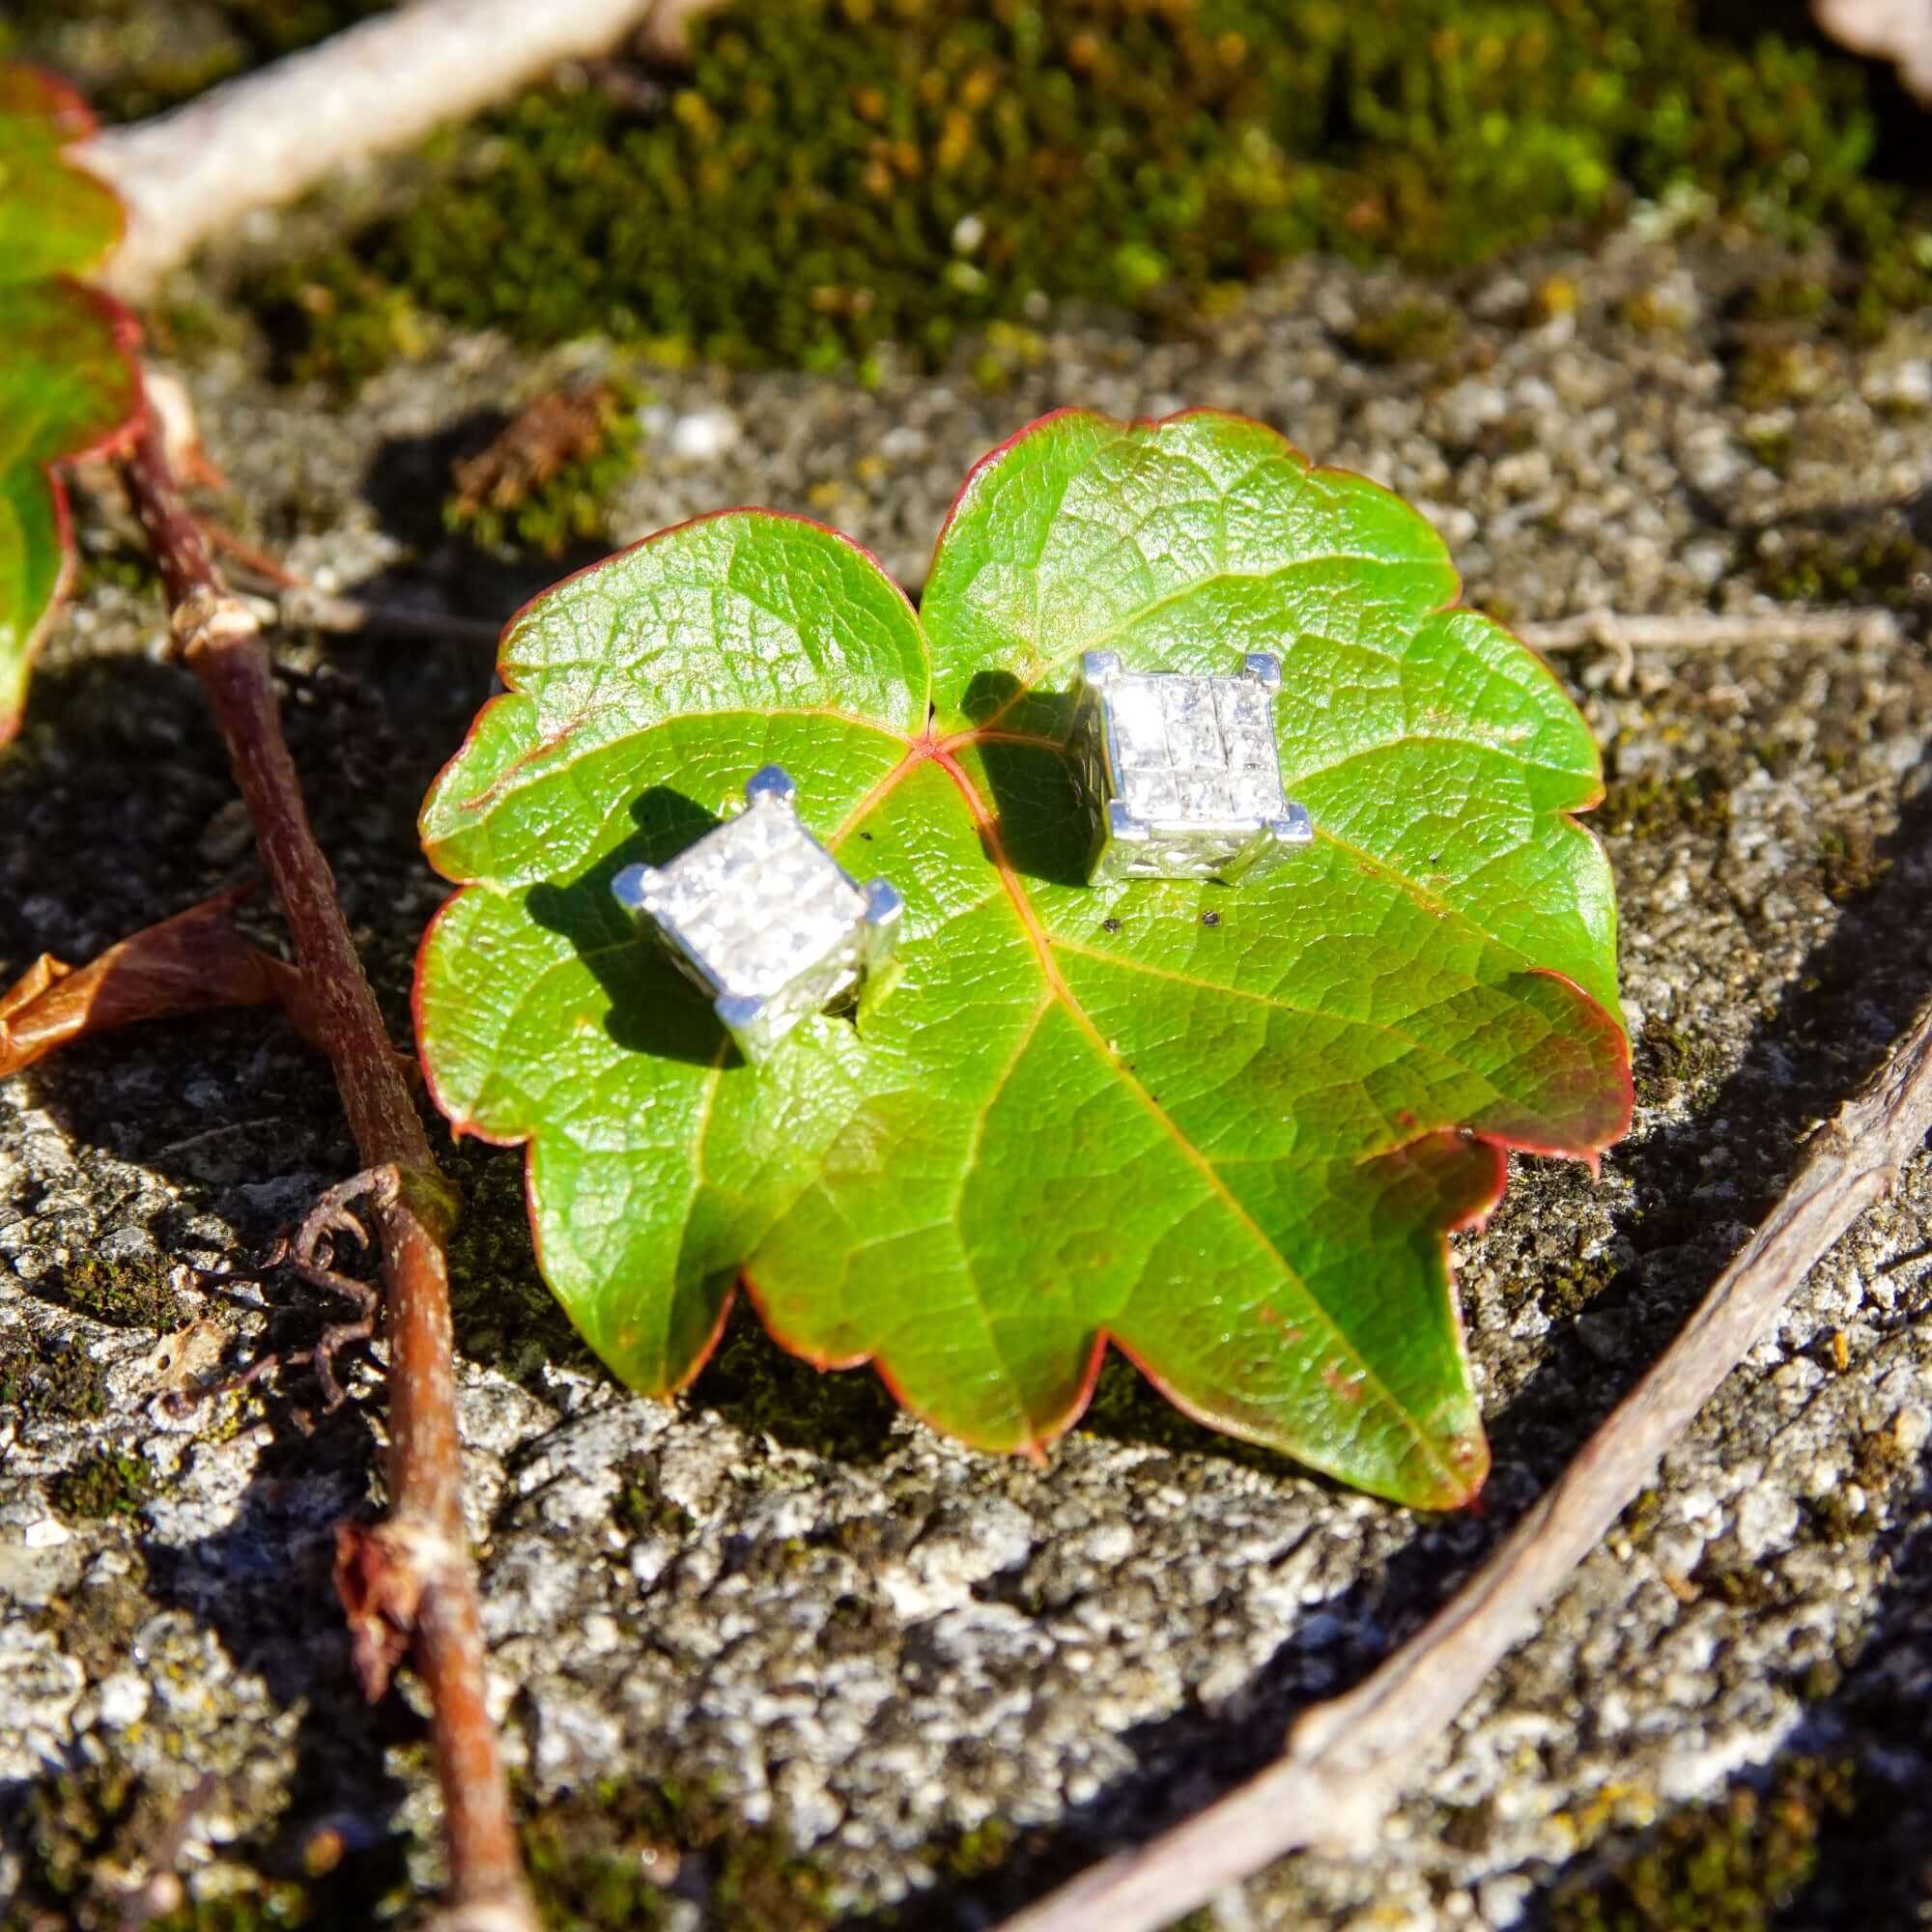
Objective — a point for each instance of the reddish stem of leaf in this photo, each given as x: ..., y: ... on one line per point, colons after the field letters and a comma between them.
x: 220, y: 641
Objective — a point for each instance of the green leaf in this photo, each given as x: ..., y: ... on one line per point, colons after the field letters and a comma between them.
x: 68, y: 381
x: 1226, y: 1129
x: 54, y: 220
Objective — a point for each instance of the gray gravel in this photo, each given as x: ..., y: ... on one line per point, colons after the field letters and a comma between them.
x: 864, y: 1635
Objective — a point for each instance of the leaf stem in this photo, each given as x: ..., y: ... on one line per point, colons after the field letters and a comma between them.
x: 215, y: 635
x: 1349, y: 1760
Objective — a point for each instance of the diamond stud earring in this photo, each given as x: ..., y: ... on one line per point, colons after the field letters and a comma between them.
x: 763, y: 918
x: 1180, y: 772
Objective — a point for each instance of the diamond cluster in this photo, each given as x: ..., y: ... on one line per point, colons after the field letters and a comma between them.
x: 759, y: 901
x: 1180, y: 772
x: 763, y: 918
x: 1194, y: 749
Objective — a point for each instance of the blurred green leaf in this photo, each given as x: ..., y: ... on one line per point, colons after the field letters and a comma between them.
x: 68, y: 384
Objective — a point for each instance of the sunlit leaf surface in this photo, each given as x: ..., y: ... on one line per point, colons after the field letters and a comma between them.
x: 1225, y: 1129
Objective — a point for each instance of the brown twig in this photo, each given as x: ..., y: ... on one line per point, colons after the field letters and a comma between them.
x: 216, y: 637
x: 1894, y: 30
x: 266, y: 138
x: 307, y: 609
x: 1622, y: 636
x: 1349, y: 1760
x: 1708, y: 630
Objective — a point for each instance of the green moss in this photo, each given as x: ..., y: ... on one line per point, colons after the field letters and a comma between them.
x: 639, y: 1509
x: 1790, y: 298
x: 1771, y: 443
x: 1777, y: 368
x: 1416, y: 330
x: 52, y: 1380
x: 69, y: 1827
x: 1564, y: 1295
x: 1650, y: 806
x: 1832, y: 1519
x: 97, y: 1624
x: 68, y: 1823
x: 1669, y: 1060
x: 504, y: 1314
x: 829, y: 174
x: 1644, y: 1513
x: 1879, y: 1460
x: 1891, y: 567
x: 124, y: 1293
x: 261, y: 1908
x: 1849, y: 863
x: 981, y: 1849
x: 1128, y: 1407
x: 1742, y: 1585
x: 602, y: 1858
x: 348, y: 320
x: 108, y: 1483
x: 1731, y: 1866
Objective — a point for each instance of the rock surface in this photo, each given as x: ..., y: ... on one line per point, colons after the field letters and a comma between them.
x: 859, y: 1634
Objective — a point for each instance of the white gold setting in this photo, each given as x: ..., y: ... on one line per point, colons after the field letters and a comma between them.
x: 763, y: 918
x: 1181, y: 773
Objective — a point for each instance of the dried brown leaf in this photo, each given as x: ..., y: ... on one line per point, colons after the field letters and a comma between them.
x: 564, y: 427
x: 195, y: 962
x: 183, y: 1360
x: 380, y: 1578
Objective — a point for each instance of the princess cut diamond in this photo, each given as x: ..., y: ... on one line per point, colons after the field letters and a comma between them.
x: 1181, y: 772
x: 763, y: 918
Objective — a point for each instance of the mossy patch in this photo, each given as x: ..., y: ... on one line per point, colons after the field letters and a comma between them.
x: 97, y: 1624
x: 1743, y: 1587
x: 1849, y: 863
x: 108, y: 1483
x: 640, y: 1509
x: 983, y: 1849
x: 66, y: 1825
x: 602, y: 1857
x: 51, y: 1380
x: 334, y: 319
x: 1668, y: 1061
x: 123, y: 1293
x: 1126, y: 1407
x: 1419, y: 329
x: 1730, y: 1867
x: 1565, y: 1295
x: 1659, y: 805
x: 830, y: 175
x: 83, y: 1832
x: 1890, y: 567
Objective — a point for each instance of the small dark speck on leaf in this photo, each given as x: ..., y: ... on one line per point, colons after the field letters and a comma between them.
x: 1110, y: 926
x: 1210, y: 919
x: 866, y: 836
